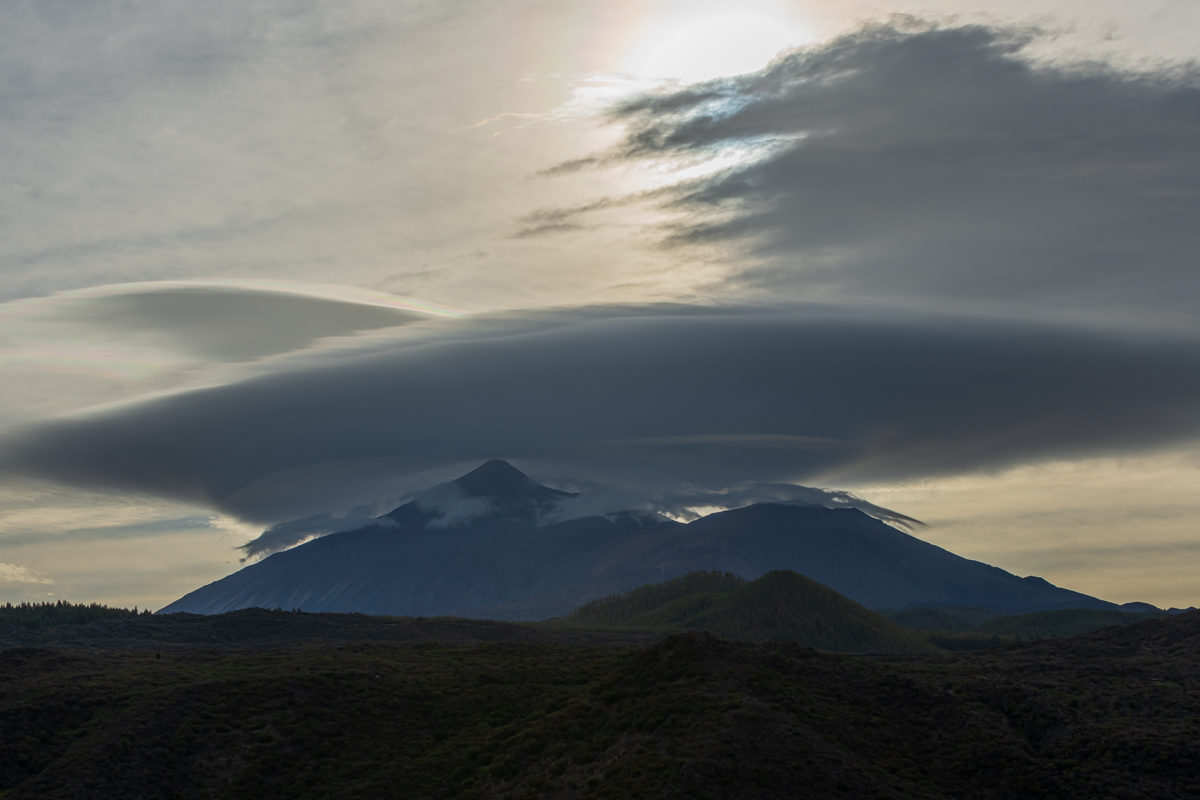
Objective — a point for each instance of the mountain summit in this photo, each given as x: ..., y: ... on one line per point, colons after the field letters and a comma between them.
x: 493, y: 493
x: 515, y: 494
x: 498, y: 478
x: 477, y: 547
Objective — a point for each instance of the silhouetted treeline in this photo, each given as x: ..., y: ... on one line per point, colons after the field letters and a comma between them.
x: 44, y: 615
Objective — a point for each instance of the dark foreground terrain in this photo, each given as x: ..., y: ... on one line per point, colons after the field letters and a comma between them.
x: 214, y: 713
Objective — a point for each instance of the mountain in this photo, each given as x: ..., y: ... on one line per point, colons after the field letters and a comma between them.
x: 781, y: 606
x: 482, y: 553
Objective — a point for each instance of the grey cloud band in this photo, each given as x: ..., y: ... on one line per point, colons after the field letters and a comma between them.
x: 654, y: 394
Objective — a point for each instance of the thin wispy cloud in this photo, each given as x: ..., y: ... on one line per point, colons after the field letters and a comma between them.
x: 12, y: 573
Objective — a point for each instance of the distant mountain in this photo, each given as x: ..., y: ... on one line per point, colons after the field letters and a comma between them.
x: 781, y: 606
x: 498, y: 562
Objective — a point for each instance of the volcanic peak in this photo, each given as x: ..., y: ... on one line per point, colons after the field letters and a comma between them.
x: 514, y: 495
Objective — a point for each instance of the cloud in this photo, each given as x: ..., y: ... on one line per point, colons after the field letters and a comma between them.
x: 690, y: 502
x: 108, y: 343
x: 297, y: 531
x: 451, y: 505
x: 928, y: 164
x: 300, y: 142
x: 240, y: 320
x: 448, y: 503
x: 652, y: 396
x: 216, y: 320
x: 11, y: 573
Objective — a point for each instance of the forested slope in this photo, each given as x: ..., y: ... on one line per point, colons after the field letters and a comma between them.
x: 780, y: 606
x: 1108, y: 714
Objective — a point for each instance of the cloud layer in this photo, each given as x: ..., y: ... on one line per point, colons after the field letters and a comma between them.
x: 651, y: 395
x: 922, y: 164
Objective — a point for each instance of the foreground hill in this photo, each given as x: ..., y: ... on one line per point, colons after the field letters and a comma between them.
x: 781, y: 606
x: 1107, y: 714
x: 505, y: 565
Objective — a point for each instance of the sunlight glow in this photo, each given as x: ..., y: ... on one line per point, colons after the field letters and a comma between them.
x: 701, y: 48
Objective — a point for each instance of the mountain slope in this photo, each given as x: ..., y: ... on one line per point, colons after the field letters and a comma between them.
x: 868, y: 561
x: 500, y: 563
x: 950, y: 618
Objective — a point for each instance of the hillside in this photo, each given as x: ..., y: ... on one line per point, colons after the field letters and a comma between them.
x: 781, y: 606
x: 953, y: 618
x: 508, y: 563
x: 1106, y: 714
x: 654, y: 605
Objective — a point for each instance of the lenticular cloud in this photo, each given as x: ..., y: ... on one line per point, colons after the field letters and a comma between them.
x: 653, y: 396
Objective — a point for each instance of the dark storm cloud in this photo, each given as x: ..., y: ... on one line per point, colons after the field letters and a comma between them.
x: 919, y: 162
x: 650, y: 396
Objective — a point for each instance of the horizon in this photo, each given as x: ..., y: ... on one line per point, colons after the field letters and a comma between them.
x: 281, y: 269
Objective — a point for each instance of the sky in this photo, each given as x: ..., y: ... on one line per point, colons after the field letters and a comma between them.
x: 276, y: 266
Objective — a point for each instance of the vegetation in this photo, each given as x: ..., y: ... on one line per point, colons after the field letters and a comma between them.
x: 1110, y: 714
x: 274, y: 704
x: 781, y: 606
x: 949, y: 618
x: 646, y: 605
x: 981, y: 625
x: 1066, y: 622
x: 45, y: 615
